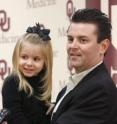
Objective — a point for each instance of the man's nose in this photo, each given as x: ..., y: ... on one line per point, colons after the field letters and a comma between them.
x: 74, y: 44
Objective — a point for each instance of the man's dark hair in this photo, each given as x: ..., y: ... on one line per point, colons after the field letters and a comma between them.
x: 97, y: 17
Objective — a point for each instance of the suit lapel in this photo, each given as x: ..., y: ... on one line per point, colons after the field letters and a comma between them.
x: 63, y: 105
x: 62, y: 92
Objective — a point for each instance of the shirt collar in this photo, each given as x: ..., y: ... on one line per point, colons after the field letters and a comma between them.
x: 76, y: 78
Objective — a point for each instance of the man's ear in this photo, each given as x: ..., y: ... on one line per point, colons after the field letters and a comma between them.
x: 104, y: 46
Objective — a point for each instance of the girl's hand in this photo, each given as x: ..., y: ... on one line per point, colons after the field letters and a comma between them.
x: 4, y: 122
x: 50, y: 108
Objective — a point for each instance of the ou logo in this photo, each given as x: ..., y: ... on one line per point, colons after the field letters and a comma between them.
x: 111, y: 58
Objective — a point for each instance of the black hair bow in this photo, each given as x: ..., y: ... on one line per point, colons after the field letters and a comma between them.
x: 42, y: 32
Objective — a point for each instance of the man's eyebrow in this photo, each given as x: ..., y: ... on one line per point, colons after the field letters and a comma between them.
x: 82, y: 36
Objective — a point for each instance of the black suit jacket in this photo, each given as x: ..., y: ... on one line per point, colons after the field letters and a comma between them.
x: 92, y: 101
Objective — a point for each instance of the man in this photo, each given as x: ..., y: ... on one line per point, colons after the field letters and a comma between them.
x: 91, y: 95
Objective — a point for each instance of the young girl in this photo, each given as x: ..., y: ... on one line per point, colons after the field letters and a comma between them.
x: 27, y: 91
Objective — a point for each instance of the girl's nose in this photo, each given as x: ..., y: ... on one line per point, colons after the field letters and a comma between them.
x: 29, y: 62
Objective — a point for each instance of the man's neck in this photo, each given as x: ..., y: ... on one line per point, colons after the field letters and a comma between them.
x: 77, y: 71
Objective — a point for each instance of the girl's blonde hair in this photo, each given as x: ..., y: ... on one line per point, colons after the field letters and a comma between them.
x: 46, y: 48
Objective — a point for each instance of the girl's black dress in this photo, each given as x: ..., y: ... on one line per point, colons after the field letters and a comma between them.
x: 24, y: 109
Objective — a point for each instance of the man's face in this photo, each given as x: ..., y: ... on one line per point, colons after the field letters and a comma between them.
x: 82, y: 47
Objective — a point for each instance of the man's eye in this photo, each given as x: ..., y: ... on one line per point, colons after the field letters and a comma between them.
x: 83, y: 41
x: 70, y: 39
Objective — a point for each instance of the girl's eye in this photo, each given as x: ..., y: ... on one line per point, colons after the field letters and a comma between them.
x: 24, y: 57
x: 36, y: 59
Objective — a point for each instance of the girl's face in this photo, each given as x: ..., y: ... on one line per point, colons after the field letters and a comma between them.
x: 31, y: 60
